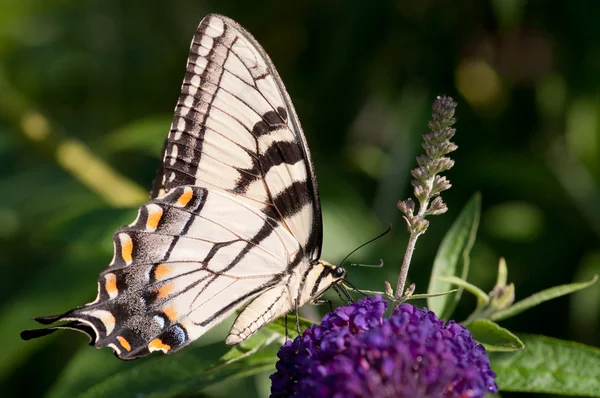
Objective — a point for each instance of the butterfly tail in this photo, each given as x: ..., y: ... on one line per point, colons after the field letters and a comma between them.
x: 48, y: 320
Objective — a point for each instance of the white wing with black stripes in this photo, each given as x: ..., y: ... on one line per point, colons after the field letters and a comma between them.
x: 234, y: 217
x: 235, y: 130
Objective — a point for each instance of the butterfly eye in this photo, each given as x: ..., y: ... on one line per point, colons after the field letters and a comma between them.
x: 339, y: 272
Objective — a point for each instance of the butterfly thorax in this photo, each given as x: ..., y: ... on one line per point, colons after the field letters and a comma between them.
x: 318, y: 276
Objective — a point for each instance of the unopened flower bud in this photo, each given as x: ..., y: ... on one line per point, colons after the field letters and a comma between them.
x: 423, y: 160
x: 445, y: 164
x: 440, y: 184
x: 406, y: 206
x: 502, y: 297
x: 419, y: 190
x: 388, y: 289
x: 419, y: 173
x: 420, y: 226
x: 437, y: 206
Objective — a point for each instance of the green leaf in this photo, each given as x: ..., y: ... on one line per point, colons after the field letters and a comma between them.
x: 494, y: 337
x: 93, y: 227
x: 482, y: 297
x: 245, y: 349
x: 143, y: 135
x: 452, y: 258
x: 190, y: 370
x: 89, y: 367
x: 550, y: 366
x: 68, y: 280
x: 427, y: 295
x: 45, y: 202
x: 540, y: 297
x: 55, y: 288
x: 278, y: 326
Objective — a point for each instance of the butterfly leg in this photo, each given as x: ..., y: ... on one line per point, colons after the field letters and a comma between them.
x: 343, y: 294
x: 297, y: 316
x: 324, y: 301
x: 285, y: 323
x: 347, y: 294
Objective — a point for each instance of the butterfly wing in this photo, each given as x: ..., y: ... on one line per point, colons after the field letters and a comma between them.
x: 234, y: 214
x: 235, y: 129
x: 178, y: 270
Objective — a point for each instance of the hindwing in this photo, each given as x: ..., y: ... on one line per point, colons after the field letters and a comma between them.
x: 187, y: 261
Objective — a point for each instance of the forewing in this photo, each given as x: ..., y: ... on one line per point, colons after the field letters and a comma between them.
x: 235, y: 129
x: 188, y: 260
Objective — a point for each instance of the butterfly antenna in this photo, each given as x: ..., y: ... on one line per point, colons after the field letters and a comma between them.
x: 370, y: 265
x: 366, y: 243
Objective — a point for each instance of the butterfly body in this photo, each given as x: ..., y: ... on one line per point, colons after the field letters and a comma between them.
x: 234, y: 217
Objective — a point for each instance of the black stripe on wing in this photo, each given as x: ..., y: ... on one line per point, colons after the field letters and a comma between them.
x: 236, y: 108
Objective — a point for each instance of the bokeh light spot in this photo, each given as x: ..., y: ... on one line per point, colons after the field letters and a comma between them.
x: 370, y: 159
x: 582, y: 127
x: 514, y: 221
x: 35, y: 126
x: 92, y: 171
x: 478, y: 82
x: 551, y: 94
x: 9, y: 222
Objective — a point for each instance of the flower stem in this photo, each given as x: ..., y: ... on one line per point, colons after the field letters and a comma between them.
x: 405, y: 265
x: 410, y: 248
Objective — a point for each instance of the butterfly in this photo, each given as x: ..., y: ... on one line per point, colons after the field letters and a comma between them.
x: 234, y: 220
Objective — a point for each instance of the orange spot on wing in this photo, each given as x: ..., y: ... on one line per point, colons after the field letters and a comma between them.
x: 154, y: 216
x: 158, y: 345
x: 185, y: 197
x: 161, y: 271
x: 111, y: 285
x: 164, y: 290
x: 124, y: 343
x: 126, y: 248
x: 171, y: 313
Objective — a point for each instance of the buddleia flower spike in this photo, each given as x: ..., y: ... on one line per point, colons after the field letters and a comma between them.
x: 427, y: 182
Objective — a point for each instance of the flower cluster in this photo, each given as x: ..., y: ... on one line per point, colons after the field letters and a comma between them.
x: 356, y: 352
x: 427, y: 182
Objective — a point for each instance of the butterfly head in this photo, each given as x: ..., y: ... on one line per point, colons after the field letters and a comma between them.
x: 322, y: 277
x: 338, y: 272
x: 325, y: 276
x: 331, y: 274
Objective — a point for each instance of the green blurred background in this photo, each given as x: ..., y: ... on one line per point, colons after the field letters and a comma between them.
x: 86, y: 94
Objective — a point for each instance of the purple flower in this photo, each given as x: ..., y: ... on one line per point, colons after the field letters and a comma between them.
x: 356, y: 352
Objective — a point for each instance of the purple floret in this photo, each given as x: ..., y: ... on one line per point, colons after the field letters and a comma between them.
x: 356, y: 352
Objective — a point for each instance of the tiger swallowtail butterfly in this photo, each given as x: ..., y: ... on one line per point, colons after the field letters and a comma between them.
x: 234, y: 217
